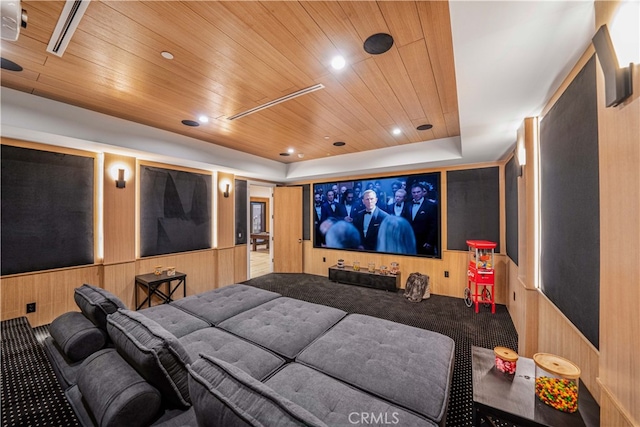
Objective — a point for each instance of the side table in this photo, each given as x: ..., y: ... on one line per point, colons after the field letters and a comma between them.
x: 512, y: 397
x: 151, y: 284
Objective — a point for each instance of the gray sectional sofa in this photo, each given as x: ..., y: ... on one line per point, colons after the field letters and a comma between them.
x: 243, y: 356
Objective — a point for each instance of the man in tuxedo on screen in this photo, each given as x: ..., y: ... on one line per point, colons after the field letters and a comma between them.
x: 423, y: 217
x: 332, y: 209
x: 318, y: 216
x: 398, y: 206
x: 351, y: 206
x: 368, y: 220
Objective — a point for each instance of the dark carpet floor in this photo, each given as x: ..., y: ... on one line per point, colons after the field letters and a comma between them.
x: 446, y: 315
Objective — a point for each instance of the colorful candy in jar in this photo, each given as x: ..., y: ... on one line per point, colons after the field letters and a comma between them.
x: 506, y: 360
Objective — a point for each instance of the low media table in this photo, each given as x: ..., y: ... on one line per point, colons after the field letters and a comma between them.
x: 363, y: 277
x: 512, y: 397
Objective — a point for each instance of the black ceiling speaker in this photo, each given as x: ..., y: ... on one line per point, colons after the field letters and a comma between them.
x: 378, y: 43
x: 10, y: 65
x: 191, y: 123
x: 617, y: 81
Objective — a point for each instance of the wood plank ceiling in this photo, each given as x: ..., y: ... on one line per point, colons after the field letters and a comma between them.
x: 231, y: 56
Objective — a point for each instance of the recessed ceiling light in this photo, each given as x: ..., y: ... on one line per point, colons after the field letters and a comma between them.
x: 166, y: 55
x: 300, y: 155
x: 203, y: 119
x: 338, y: 62
x: 191, y: 123
x: 339, y: 143
x: 396, y: 131
x: 378, y: 43
x: 285, y: 154
x: 326, y: 137
x: 425, y: 127
x: 290, y: 151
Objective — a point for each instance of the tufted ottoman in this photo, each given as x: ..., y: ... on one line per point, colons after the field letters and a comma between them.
x: 407, y: 366
x: 223, y: 303
x: 283, y: 325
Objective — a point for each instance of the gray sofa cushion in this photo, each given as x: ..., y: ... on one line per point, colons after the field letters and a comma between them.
x: 154, y: 352
x: 115, y: 394
x: 96, y: 304
x: 283, y: 325
x: 254, y: 360
x: 225, y: 396
x: 407, y: 366
x: 336, y: 403
x: 174, y: 320
x: 65, y: 370
x: 76, y: 336
x: 223, y: 303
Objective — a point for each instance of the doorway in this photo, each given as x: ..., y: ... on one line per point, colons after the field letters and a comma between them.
x: 260, y: 226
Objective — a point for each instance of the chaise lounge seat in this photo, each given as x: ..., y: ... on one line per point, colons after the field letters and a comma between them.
x: 268, y: 361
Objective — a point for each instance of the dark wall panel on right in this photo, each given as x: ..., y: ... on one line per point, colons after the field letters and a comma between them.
x: 570, y: 204
x: 512, y: 171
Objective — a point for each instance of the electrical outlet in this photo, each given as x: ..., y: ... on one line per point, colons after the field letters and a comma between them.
x: 514, y: 296
x: 324, y: 259
x: 31, y: 307
x: 446, y: 274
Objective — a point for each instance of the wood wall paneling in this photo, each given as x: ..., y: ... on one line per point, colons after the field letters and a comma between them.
x: 225, y: 211
x: 119, y: 210
x: 52, y: 291
x: 240, y: 264
x: 119, y: 279
x: 226, y: 266
x: 619, y: 151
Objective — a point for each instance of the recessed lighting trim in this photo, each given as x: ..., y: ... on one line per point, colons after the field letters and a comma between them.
x: 167, y: 55
x: 396, y: 131
x: 425, y: 127
x: 191, y: 123
x: 203, y: 119
x: 290, y: 150
x: 338, y: 62
x: 339, y: 143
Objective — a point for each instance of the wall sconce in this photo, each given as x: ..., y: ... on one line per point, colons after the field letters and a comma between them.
x: 226, y: 191
x: 120, y: 182
x: 618, y: 84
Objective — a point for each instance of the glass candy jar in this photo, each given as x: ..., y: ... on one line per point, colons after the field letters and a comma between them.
x: 557, y: 381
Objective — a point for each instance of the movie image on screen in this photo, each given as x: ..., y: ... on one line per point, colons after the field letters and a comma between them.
x: 394, y: 215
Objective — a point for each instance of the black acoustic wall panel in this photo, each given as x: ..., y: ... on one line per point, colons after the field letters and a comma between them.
x: 569, y: 204
x: 511, y: 174
x: 47, y: 210
x: 473, y: 207
x: 306, y: 212
x: 241, y: 211
x: 175, y: 211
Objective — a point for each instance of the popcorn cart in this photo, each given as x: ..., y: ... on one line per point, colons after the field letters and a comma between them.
x: 480, y: 275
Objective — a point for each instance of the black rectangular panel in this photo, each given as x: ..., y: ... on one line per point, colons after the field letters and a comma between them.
x: 241, y: 211
x: 511, y: 173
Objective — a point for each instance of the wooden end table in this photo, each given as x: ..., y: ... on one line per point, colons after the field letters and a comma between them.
x: 151, y: 284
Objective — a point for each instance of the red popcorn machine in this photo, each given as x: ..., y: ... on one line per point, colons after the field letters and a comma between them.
x: 480, y: 274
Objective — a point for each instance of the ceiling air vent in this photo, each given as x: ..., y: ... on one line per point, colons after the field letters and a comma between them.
x: 67, y: 23
x: 277, y: 101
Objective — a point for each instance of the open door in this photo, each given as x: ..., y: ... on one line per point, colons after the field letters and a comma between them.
x: 287, y: 230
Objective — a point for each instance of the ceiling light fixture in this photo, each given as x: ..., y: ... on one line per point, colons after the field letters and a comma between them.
x: 166, y: 55
x: 290, y: 151
x: 338, y: 62
x: 396, y: 131
x: 277, y: 101
x: 203, y: 119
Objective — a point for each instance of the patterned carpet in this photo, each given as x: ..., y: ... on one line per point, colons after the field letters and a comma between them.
x: 446, y: 315
x: 31, y: 394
